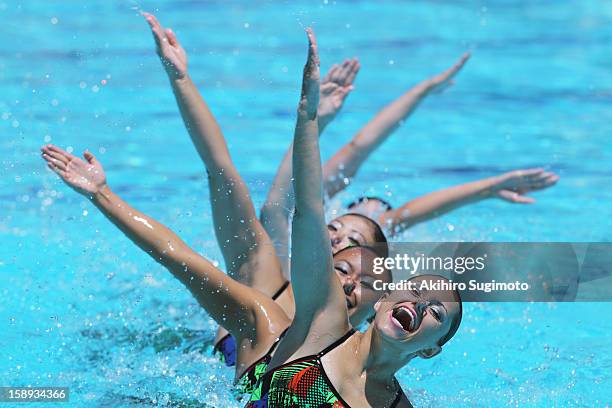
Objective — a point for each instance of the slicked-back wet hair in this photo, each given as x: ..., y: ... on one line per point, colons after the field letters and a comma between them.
x: 382, y: 246
x: 363, y: 199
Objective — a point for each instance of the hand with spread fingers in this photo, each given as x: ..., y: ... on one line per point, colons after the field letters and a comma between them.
x: 170, y: 51
x: 84, y: 176
x: 335, y: 87
x: 513, y: 186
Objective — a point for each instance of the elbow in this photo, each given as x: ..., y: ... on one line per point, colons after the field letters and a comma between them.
x: 170, y: 254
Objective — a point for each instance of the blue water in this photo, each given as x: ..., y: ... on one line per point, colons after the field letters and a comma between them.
x: 82, y: 307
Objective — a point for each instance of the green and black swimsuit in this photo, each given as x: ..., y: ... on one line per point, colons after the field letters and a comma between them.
x: 302, y: 383
x: 249, y: 379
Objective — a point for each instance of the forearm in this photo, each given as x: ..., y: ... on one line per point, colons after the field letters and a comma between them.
x: 376, y: 131
x: 280, y: 201
x: 439, y: 202
x: 347, y: 161
x: 307, y: 171
x: 214, y: 290
x: 200, y: 122
x: 311, y: 253
x: 152, y: 237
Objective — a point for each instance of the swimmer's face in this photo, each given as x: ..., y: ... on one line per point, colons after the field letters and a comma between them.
x: 370, y: 208
x: 358, y: 282
x: 415, y: 321
x: 349, y: 230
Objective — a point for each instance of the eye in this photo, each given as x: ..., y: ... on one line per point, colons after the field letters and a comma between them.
x: 367, y: 285
x: 341, y: 270
x: 436, y: 313
x: 332, y: 227
x: 354, y: 242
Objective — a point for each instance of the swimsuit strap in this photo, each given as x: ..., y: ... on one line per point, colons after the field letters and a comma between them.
x: 336, y: 343
x: 268, y: 354
x: 217, y: 346
x: 398, y: 395
x: 278, y: 340
x: 280, y: 290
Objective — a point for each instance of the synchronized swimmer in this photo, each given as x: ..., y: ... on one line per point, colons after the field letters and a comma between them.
x: 295, y: 286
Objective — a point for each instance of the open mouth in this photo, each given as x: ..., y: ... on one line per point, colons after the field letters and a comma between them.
x: 405, y: 317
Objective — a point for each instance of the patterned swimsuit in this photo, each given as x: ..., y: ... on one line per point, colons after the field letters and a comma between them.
x: 226, y: 349
x: 301, y: 383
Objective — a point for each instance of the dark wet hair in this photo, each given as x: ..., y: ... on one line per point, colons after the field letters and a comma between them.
x: 454, y: 324
x: 382, y: 246
x: 363, y: 199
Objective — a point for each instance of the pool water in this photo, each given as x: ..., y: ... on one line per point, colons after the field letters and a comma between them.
x: 82, y: 307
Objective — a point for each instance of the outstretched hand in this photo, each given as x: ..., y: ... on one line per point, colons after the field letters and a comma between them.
x: 309, y: 100
x: 335, y: 87
x: 84, y: 176
x: 442, y: 81
x: 170, y: 51
x: 514, y: 185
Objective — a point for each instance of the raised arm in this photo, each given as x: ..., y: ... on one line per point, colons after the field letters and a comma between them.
x: 511, y: 187
x: 276, y: 211
x: 315, y: 285
x: 347, y: 161
x: 247, y: 249
x: 220, y: 295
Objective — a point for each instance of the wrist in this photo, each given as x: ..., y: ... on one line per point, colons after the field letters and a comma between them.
x: 306, y: 112
x: 495, y: 184
x: 323, y: 120
x: 100, y: 193
x: 179, y: 80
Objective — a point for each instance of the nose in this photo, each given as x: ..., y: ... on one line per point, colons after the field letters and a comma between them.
x: 420, y: 307
x: 348, y: 286
x: 335, y: 240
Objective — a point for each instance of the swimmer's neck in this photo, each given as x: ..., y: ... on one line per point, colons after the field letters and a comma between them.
x: 378, y: 361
